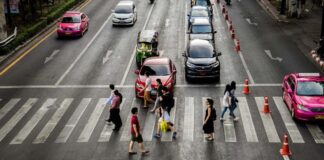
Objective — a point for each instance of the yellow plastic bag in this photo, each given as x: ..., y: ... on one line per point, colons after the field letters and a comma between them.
x: 164, y: 126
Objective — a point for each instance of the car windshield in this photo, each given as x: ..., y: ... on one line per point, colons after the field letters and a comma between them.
x: 201, y: 3
x: 156, y: 70
x: 144, y: 46
x: 123, y: 9
x: 71, y: 20
x: 199, y: 13
x: 201, y: 51
x: 310, y: 88
x: 201, y: 29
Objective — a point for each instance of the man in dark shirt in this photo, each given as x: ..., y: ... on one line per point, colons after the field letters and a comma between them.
x: 159, y: 91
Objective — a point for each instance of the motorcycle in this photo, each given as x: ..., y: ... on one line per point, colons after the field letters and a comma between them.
x: 228, y: 2
x: 151, y: 1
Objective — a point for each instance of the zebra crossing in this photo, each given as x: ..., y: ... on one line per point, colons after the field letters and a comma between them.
x: 53, y: 111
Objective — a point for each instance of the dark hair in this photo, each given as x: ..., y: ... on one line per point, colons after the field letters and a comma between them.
x: 112, y: 86
x: 116, y: 92
x: 134, y: 110
x: 233, y: 85
x: 147, y: 73
x: 159, y: 81
x: 227, y: 88
x: 211, y: 102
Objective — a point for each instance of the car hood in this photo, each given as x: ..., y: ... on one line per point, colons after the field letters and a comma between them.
x: 69, y: 25
x: 122, y: 15
x: 311, y: 101
x: 204, y: 36
x: 153, y: 79
x: 202, y: 61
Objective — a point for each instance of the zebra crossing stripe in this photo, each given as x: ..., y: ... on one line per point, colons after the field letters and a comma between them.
x: 228, y: 124
x: 289, y: 123
x: 25, y: 131
x: 93, y: 120
x: 74, y: 119
x: 167, y: 137
x: 268, y: 124
x: 49, y: 127
x: 6, y: 108
x: 251, y: 135
x: 316, y: 133
x: 126, y: 135
x: 107, y: 130
x: 149, y: 126
x: 188, y: 128
x: 17, y: 117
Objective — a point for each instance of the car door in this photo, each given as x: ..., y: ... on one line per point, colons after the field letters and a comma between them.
x: 290, y: 91
x: 134, y: 12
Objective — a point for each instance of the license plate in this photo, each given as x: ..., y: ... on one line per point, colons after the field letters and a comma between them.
x: 202, y: 73
x: 319, y: 117
x: 68, y: 33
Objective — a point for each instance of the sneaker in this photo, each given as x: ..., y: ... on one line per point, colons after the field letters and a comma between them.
x: 145, y: 152
x: 236, y: 119
x: 157, y: 136
x: 221, y: 119
x: 174, y: 136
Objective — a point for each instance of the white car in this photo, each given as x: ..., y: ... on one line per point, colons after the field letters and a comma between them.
x: 124, y: 13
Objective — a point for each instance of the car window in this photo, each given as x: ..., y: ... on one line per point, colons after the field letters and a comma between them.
x: 310, y: 89
x: 123, y: 9
x: 156, y: 70
x: 71, y: 20
x: 201, y: 51
x: 201, y: 29
x: 199, y: 13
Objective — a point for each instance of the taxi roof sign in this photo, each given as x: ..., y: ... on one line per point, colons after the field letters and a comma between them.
x: 309, y: 75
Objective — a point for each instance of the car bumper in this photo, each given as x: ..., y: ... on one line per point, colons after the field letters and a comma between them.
x: 215, y: 73
x: 122, y: 22
x: 308, y: 116
x: 68, y: 34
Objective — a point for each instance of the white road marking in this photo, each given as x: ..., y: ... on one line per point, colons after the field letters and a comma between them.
x: 47, y: 59
x: 31, y: 124
x: 83, y: 51
x: 51, y: 124
x: 126, y: 135
x: 289, y: 123
x: 7, y: 107
x: 250, y: 22
x: 188, y: 121
x: 268, y: 124
x: 16, y: 118
x: 228, y: 124
x: 268, y: 52
x: 246, y: 68
x: 93, y: 120
x: 74, y: 119
x: 107, y: 130
x: 251, y: 135
x: 316, y: 133
x: 149, y: 126
x: 134, y: 51
x: 106, y: 58
x: 167, y: 22
x: 167, y: 137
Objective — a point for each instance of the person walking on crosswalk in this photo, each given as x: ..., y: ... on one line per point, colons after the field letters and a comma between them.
x: 147, y: 90
x: 208, y: 125
x: 136, y: 134
x: 115, y: 111
x: 234, y: 101
x: 159, y: 96
x: 226, y: 100
x: 109, y: 100
x: 164, y: 124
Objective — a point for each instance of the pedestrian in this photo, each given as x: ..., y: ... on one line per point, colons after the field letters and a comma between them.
x: 164, y: 124
x: 167, y: 102
x: 115, y: 110
x: 234, y: 101
x: 159, y: 91
x: 208, y: 125
x: 226, y: 100
x: 147, y: 90
x: 109, y: 100
x: 136, y: 134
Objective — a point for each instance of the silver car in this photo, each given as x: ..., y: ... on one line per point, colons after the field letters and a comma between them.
x: 124, y: 13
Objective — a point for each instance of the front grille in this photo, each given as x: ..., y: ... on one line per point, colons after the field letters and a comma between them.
x: 320, y: 110
x: 122, y: 18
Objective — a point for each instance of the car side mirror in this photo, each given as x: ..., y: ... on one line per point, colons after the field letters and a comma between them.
x: 215, y: 32
x: 289, y: 90
x: 137, y: 71
x: 184, y: 54
x: 219, y: 53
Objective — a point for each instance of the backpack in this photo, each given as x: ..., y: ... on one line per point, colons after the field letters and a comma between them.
x: 213, y: 114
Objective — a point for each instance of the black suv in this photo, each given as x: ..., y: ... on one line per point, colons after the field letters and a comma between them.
x: 201, y: 60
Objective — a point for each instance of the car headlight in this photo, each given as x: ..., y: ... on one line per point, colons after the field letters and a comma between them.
x: 131, y: 17
x: 77, y: 28
x: 303, y: 108
x: 190, y: 65
x: 214, y: 65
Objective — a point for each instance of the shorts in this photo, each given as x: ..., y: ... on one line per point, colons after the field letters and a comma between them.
x: 138, y: 139
x: 147, y: 95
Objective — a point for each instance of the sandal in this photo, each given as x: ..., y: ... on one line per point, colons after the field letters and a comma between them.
x: 131, y: 153
x: 145, y: 152
x: 210, y: 139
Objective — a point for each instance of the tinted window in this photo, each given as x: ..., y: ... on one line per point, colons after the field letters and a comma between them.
x: 71, y: 20
x: 156, y: 70
x: 201, y: 29
x: 201, y: 3
x: 201, y: 51
x: 310, y: 89
x: 123, y: 9
x: 199, y: 13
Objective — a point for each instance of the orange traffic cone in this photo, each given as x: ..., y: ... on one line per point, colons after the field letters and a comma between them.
x: 226, y: 15
x: 230, y: 26
x: 284, y: 151
x: 233, y: 34
x: 246, y: 89
x: 238, y: 47
x: 266, y: 105
x: 223, y: 9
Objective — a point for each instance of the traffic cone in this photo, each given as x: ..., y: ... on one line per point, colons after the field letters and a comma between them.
x: 238, y: 47
x: 217, y: 1
x: 284, y: 151
x: 233, y: 34
x: 230, y: 26
x: 223, y: 9
x: 246, y: 89
x: 226, y: 15
x: 266, y: 105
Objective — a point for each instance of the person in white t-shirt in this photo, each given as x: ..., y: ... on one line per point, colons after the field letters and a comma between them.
x: 147, y: 90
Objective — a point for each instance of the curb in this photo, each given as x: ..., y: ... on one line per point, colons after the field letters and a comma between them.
x: 265, y: 4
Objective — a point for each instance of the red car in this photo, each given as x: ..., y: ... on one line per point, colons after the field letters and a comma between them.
x: 303, y: 94
x: 73, y: 23
x: 158, y: 67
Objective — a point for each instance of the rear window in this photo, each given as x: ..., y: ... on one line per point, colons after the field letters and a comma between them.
x: 123, y: 9
x: 310, y: 88
x: 71, y: 20
x: 201, y: 29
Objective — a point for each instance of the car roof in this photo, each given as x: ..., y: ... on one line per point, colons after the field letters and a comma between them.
x: 308, y: 77
x: 147, y: 35
x: 71, y: 13
x: 157, y: 60
x: 200, y: 42
x: 126, y: 3
x: 201, y: 21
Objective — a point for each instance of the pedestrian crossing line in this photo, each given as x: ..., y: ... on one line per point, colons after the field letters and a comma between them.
x: 228, y: 124
x: 31, y: 124
x: 268, y: 124
x: 149, y: 126
x: 74, y: 119
x: 126, y: 135
x: 7, y: 107
x: 288, y: 121
x: 316, y: 133
x: 17, y: 117
x: 167, y: 137
x: 49, y: 127
x: 93, y: 120
x: 188, y: 128
x: 107, y: 130
x: 251, y: 135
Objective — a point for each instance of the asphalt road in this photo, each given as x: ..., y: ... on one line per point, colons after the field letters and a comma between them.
x: 54, y: 109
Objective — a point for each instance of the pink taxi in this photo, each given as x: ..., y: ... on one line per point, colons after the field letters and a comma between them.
x: 73, y: 23
x: 303, y: 94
